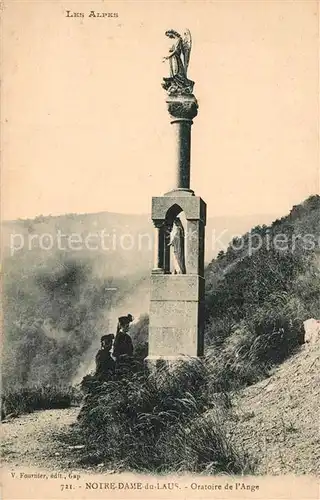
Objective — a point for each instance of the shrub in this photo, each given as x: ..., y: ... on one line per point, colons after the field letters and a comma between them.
x: 265, y: 338
x: 158, y: 422
x: 204, y: 447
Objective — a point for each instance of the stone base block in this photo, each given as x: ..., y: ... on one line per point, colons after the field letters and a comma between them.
x: 177, y: 288
x: 176, y: 316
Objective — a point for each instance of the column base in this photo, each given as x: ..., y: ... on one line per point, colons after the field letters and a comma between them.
x: 180, y: 192
x: 157, y: 270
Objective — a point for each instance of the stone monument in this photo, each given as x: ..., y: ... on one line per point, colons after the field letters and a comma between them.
x: 177, y: 290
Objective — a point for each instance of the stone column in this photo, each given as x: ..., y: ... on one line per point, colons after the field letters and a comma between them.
x: 166, y: 258
x: 158, y: 266
x: 183, y: 145
x: 182, y: 109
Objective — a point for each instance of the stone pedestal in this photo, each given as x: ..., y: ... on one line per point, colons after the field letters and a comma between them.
x: 176, y: 315
x: 176, y: 328
x: 177, y: 300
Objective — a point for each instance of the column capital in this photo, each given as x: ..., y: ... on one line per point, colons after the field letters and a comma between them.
x: 158, y: 223
x: 182, y: 107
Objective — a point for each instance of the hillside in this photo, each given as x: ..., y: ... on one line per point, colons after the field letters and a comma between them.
x: 276, y: 419
x: 257, y: 300
x: 244, y: 277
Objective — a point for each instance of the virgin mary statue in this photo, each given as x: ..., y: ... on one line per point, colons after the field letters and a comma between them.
x: 177, y: 243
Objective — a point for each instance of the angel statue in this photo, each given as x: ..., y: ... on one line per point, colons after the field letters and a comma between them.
x: 179, y: 55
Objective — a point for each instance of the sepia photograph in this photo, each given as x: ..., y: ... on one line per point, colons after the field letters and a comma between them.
x: 160, y: 249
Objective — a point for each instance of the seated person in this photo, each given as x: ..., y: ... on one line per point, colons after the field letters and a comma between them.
x: 105, y: 365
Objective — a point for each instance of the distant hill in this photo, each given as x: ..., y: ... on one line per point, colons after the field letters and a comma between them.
x: 118, y: 242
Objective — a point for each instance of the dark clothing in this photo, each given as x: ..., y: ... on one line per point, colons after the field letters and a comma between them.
x: 105, y: 365
x: 122, y: 345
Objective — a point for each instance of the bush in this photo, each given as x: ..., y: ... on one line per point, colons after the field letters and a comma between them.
x: 158, y: 422
x: 205, y: 447
x: 264, y: 339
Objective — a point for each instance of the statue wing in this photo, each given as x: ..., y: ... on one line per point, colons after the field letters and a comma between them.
x: 186, y: 47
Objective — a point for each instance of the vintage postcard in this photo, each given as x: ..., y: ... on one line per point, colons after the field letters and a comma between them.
x: 160, y: 247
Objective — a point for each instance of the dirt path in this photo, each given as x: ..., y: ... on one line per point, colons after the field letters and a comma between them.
x: 29, y: 440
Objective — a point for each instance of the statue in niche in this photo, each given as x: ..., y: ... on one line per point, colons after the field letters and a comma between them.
x: 178, y: 57
x: 177, y: 243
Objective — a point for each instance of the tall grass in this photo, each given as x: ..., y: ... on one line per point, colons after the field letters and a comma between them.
x: 265, y: 338
x: 164, y: 421
x: 28, y: 399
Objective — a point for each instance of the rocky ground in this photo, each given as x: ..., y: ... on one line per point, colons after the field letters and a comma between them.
x: 277, y: 420
x: 30, y: 439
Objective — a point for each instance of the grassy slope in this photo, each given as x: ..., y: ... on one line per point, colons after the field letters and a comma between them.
x: 238, y: 281
x: 256, y: 304
x: 276, y: 419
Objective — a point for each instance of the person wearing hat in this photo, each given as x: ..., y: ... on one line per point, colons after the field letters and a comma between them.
x: 123, y: 344
x: 124, y: 322
x: 105, y: 365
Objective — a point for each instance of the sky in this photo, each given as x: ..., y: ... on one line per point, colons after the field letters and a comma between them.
x: 85, y: 125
